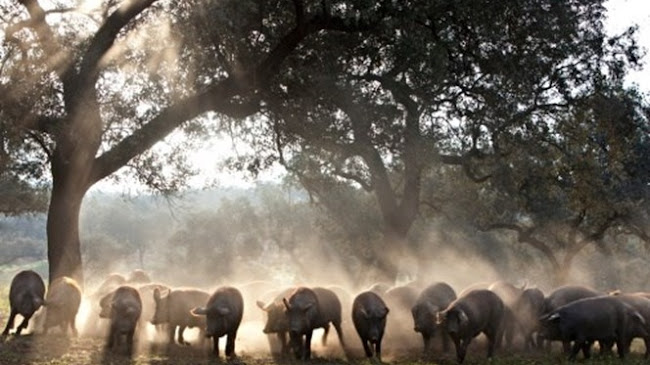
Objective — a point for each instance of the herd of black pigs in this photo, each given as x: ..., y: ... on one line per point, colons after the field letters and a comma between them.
x: 575, y: 315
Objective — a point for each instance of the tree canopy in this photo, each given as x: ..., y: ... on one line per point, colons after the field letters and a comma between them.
x: 95, y: 89
x: 369, y: 94
x: 436, y: 83
x: 583, y: 183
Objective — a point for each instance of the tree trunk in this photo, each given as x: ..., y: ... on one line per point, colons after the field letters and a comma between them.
x: 390, y: 251
x: 63, y: 245
x: 562, y: 272
x: 71, y: 165
x: 561, y: 275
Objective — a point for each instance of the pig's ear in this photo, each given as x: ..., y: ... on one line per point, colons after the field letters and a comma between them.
x: 286, y: 303
x: 432, y: 308
x: 363, y: 312
x: 440, y: 318
x: 462, y: 317
x: 307, y: 306
x: 553, y: 317
x: 38, y: 301
x: 199, y: 311
x: 261, y: 305
x: 638, y: 318
x: 104, y: 300
x: 104, y: 313
x: 386, y: 311
x: 224, y: 311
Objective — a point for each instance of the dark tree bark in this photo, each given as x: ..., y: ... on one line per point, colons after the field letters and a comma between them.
x: 63, y: 245
x: 71, y: 167
x: 398, y: 203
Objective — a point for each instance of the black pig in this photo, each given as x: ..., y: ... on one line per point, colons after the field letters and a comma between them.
x: 642, y: 305
x: 223, y: 311
x: 604, y: 318
x: 123, y: 308
x: 330, y: 309
x: 567, y: 294
x: 308, y: 310
x: 369, y: 317
x: 276, y: 318
x: 26, y: 296
x: 62, y: 303
x: 563, y: 296
x: 527, y: 310
x: 509, y: 294
x: 478, y: 311
x: 431, y: 300
x: 173, y: 307
x: 110, y: 283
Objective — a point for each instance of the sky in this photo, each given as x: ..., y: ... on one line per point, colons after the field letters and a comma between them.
x: 621, y: 14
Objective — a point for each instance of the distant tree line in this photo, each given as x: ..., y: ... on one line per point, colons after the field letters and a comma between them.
x: 274, y: 231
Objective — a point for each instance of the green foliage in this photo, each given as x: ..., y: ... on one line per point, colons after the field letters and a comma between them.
x: 574, y: 182
x: 253, y: 236
x: 116, y: 230
x: 436, y: 83
x: 23, y: 239
x: 22, y: 248
x: 21, y: 197
x: 377, y: 108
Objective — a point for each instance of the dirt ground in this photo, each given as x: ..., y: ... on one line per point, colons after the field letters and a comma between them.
x: 57, y: 348
x: 63, y: 350
x: 252, y: 348
x: 38, y: 349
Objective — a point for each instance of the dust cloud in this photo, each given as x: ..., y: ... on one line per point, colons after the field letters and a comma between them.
x: 461, y: 269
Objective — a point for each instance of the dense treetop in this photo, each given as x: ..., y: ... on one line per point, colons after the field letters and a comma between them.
x: 525, y: 99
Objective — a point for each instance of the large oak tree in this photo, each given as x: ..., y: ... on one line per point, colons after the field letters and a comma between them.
x: 85, y: 92
x: 438, y: 82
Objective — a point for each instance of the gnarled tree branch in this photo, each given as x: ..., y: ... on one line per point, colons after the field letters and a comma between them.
x: 526, y: 235
x: 216, y: 98
x: 104, y: 39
